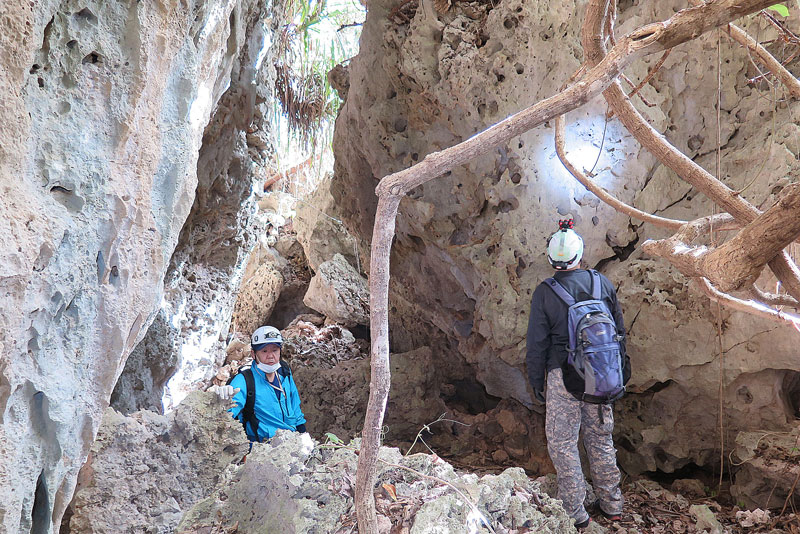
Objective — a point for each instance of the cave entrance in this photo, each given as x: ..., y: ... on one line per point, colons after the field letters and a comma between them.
x: 790, y: 392
x: 469, y: 396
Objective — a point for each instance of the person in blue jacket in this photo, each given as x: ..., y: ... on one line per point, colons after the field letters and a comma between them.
x: 276, y: 401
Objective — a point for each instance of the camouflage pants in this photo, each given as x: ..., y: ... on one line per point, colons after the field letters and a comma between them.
x: 566, y: 417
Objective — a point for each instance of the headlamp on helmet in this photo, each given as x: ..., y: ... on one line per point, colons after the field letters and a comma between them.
x: 565, y: 247
x: 264, y: 336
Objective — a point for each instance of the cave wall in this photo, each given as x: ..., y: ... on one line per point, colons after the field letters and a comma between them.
x: 221, y: 230
x: 470, y: 246
x: 104, y: 108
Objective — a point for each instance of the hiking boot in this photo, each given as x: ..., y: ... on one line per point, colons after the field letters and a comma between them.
x: 583, y: 524
x: 596, y: 508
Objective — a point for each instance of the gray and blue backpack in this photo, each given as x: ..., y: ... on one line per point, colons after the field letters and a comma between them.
x: 594, y: 344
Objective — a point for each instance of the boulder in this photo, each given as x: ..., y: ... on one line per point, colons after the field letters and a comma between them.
x: 768, y: 467
x: 705, y: 520
x: 320, y: 232
x: 145, y: 470
x: 339, y: 292
x: 257, y: 298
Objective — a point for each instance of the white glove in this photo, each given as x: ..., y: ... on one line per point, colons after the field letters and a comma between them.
x: 226, y: 392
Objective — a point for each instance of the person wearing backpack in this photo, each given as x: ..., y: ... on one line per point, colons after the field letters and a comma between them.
x: 576, y: 338
x: 265, y: 397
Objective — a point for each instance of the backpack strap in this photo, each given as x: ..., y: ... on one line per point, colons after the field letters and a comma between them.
x: 285, y: 370
x: 248, y: 411
x: 597, y: 286
x: 560, y: 291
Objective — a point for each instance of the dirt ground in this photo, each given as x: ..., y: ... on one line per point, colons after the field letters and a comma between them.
x: 650, y: 509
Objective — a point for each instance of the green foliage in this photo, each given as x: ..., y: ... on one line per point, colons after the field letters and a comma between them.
x: 781, y: 9
x: 333, y: 438
x: 309, y: 46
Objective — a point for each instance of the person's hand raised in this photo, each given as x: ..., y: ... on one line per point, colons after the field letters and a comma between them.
x: 225, y: 393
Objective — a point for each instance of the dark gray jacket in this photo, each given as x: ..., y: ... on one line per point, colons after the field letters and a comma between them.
x: 548, y: 335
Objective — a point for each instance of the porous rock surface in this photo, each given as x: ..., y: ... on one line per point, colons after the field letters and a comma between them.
x: 148, y: 368
x: 307, y: 489
x: 470, y: 245
x: 224, y: 225
x: 104, y: 107
x: 145, y: 470
x: 257, y: 298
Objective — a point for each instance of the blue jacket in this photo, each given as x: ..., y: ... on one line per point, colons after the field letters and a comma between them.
x: 271, y: 413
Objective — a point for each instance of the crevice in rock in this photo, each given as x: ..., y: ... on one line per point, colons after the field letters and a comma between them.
x: 40, y: 514
x: 668, y: 206
x: 705, y: 474
x: 86, y: 15
x: 749, y: 340
x: 48, y: 30
x: 650, y: 175
x: 658, y: 386
x: 633, y: 321
x: 68, y: 513
x: 620, y: 253
x: 360, y: 331
x: 92, y: 58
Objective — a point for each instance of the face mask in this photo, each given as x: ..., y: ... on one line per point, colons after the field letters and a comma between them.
x: 269, y: 368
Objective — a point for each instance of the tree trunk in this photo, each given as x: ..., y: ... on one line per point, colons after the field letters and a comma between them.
x: 366, y: 473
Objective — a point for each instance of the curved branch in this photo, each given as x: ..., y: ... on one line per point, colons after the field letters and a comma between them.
x: 762, y: 54
x: 739, y: 261
x: 791, y: 83
x: 773, y: 299
x: 602, y: 194
x: 748, y: 306
x: 694, y: 230
x: 782, y: 265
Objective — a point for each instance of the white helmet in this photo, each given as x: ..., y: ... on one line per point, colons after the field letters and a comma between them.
x: 264, y: 336
x: 565, y: 247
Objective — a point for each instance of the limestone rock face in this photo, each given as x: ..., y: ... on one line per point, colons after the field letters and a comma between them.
x: 470, y: 245
x: 223, y: 226
x: 145, y: 470
x: 320, y: 232
x: 310, y: 490
x: 339, y: 292
x: 104, y: 108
